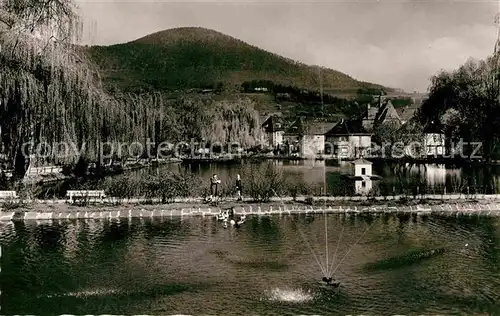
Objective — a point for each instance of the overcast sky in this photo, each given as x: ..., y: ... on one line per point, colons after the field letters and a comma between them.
x: 396, y: 43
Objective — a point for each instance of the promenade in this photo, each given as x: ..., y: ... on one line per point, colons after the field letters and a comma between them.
x: 108, y: 208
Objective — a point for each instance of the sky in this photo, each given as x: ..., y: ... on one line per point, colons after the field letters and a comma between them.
x: 400, y: 43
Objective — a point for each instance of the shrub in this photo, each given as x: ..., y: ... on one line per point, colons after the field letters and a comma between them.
x: 294, y: 185
x: 263, y: 182
x: 167, y: 186
x: 124, y: 187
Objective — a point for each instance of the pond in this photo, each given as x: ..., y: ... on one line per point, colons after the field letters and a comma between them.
x: 387, y: 264
x: 326, y: 176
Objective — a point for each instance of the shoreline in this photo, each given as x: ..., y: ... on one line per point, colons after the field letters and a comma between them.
x: 60, y: 210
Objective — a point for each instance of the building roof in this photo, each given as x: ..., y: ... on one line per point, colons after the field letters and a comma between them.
x: 273, y: 124
x: 263, y: 118
x: 295, y: 128
x: 348, y: 127
x: 434, y: 129
x: 406, y: 113
x: 382, y: 112
x: 387, y: 112
x: 362, y: 161
x: 304, y: 127
x: 317, y: 128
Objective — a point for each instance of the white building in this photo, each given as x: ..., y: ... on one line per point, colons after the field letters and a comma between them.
x: 348, y: 139
x: 434, y: 141
x: 273, y: 131
x: 308, y: 136
x: 362, y: 168
x: 313, y: 138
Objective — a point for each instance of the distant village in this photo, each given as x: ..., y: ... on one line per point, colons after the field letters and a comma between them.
x: 348, y: 138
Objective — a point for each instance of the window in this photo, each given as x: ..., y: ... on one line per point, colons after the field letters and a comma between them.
x: 363, y: 184
x: 363, y: 171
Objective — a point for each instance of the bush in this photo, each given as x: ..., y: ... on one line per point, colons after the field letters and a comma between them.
x: 124, y: 187
x: 294, y: 185
x: 263, y: 182
x: 167, y: 186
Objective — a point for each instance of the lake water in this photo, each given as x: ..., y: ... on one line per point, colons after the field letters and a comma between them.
x: 265, y: 267
x: 396, y: 178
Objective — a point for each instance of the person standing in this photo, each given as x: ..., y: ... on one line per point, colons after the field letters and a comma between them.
x: 214, y: 186
x: 239, y: 187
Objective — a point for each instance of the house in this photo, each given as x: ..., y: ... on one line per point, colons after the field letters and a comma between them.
x: 308, y: 138
x: 382, y: 113
x: 408, y: 112
x: 273, y: 131
x: 292, y: 136
x: 434, y: 140
x: 312, y: 142
x: 348, y: 139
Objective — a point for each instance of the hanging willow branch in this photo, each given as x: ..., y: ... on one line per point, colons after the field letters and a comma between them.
x: 49, y: 93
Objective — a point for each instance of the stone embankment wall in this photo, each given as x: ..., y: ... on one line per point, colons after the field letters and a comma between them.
x: 469, y: 209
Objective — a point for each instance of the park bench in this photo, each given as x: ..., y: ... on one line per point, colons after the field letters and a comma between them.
x: 48, y: 170
x: 8, y: 195
x: 85, y: 194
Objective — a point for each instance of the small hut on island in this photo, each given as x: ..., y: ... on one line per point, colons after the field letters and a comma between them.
x: 362, y: 176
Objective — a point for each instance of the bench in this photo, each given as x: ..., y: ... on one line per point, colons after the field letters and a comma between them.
x: 8, y: 195
x: 48, y: 170
x: 74, y: 194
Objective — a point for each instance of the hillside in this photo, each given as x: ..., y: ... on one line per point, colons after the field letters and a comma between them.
x: 185, y: 58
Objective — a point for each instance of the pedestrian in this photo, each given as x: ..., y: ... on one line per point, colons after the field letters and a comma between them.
x: 214, y: 186
x: 239, y: 187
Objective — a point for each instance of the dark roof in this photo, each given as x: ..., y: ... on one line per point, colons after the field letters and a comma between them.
x: 273, y: 124
x: 382, y: 112
x: 406, y: 113
x: 348, y: 127
x: 303, y: 127
x: 295, y: 128
x: 317, y: 128
x: 387, y: 111
x: 436, y: 128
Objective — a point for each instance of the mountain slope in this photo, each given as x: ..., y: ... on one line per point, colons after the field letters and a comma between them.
x: 185, y: 58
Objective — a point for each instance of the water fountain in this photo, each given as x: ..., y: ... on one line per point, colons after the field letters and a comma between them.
x: 329, y: 270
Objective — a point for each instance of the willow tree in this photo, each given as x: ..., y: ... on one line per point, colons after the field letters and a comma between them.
x: 234, y: 122
x: 472, y: 92
x: 49, y: 93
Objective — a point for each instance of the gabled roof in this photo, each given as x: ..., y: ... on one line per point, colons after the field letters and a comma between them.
x: 295, y: 128
x: 264, y: 118
x: 406, y: 113
x: 383, y: 112
x: 303, y: 127
x: 348, y: 127
x: 362, y: 161
x: 317, y: 128
x: 387, y: 112
x: 273, y: 124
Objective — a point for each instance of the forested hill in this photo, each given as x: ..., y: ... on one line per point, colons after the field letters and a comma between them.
x: 185, y: 58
